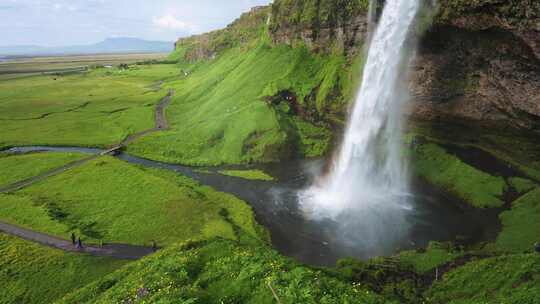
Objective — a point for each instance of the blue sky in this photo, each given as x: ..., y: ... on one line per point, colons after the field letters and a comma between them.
x: 69, y: 22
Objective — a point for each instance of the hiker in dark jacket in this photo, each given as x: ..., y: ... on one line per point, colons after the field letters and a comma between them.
x: 537, y: 247
x: 154, y: 246
x: 79, y: 243
x: 73, y: 238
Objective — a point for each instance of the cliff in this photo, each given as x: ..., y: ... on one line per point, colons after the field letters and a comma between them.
x: 478, y: 62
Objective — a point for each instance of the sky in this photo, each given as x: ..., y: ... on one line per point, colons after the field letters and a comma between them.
x: 73, y: 22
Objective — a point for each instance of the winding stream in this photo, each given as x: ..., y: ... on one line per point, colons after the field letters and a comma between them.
x: 435, y: 216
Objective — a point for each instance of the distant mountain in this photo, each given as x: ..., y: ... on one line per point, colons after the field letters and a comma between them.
x: 109, y: 45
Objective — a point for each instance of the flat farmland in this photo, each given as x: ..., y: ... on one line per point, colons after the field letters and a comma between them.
x: 26, y: 66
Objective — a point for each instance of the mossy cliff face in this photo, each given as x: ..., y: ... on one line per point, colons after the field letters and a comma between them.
x: 320, y: 24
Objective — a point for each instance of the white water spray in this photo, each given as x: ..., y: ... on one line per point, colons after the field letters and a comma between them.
x: 367, y: 187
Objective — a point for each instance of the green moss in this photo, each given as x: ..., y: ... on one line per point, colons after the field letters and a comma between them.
x: 435, y: 255
x: 522, y: 185
x: 248, y: 174
x: 442, y: 169
x: 221, y: 272
x: 35, y: 274
x: 14, y: 168
x: 521, y: 224
x: 313, y: 140
x: 503, y: 279
x: 110, y: 200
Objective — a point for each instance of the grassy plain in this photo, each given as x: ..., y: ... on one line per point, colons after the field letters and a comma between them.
x: 113, y: 201
x: 32, y: 273
x: 97, y: 108
x: 15, y: 168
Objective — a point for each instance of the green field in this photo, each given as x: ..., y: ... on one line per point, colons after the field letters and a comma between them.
x: 112, y: 201
x: 97, y: 108
x: 32, y: 273
x: 15, y: 168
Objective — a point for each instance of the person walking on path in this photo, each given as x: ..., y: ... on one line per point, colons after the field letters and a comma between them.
x: 73, y: 238
x: 79, y: 243
x: 154, y: 246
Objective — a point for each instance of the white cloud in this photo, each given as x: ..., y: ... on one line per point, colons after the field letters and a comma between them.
x: 172, y: 23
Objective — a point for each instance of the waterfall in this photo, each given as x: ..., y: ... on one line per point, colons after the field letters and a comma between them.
x: 366, y: 190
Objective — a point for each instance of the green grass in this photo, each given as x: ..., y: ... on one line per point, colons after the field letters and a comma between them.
x: 522, y: 185
x: 110, y: 200
x: 221, y: 272
x: 435, y: 255
x: 98, y: 108
x: 32, y: 273
x: 444, y: 170
x: 503, y: 279
x: 220, y: 114
x: 521, y: 224
x: 15, y: 168
x: 248, y: 174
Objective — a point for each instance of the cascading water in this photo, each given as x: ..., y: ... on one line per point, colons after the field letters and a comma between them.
x: 366, y: 191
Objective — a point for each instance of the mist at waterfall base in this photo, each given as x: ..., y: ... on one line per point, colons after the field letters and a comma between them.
x: 366, y: 194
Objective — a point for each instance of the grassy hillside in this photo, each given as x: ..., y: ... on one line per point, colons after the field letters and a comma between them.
x: 221, y: 272
x: 32, y: 273
x: 109, y: 200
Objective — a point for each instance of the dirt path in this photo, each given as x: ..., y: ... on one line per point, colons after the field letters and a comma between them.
x: 160, y: 121
x: 117, y: 251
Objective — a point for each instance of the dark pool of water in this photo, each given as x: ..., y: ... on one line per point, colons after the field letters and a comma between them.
x: 434, y: 215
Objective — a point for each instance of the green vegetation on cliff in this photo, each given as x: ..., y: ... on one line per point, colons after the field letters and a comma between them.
x: 221, y: 272
x: 110, y: 200
x: 32, y: 273
x: 249, y: 108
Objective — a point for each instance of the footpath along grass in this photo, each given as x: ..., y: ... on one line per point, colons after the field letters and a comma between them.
x: 110, y: 200
x: 32, y: 273
x: 14, y: 168
x: 89, y: 109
